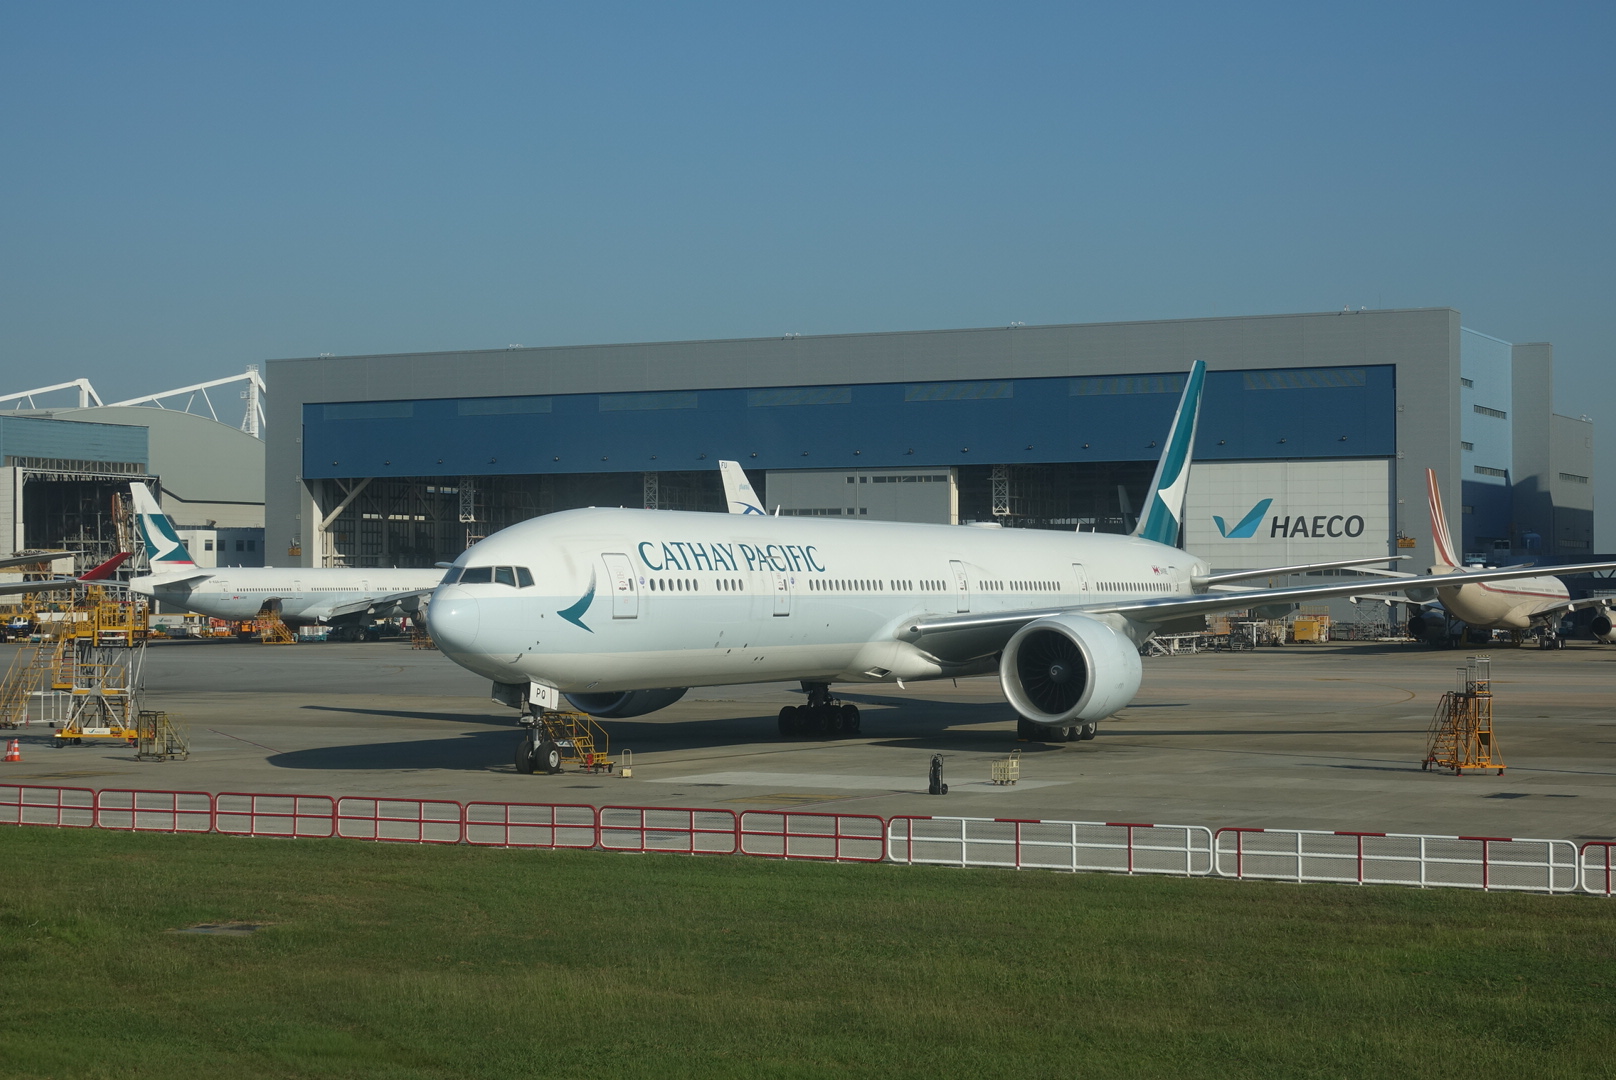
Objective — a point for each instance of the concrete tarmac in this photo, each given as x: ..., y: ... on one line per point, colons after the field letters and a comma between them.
x: 1314, y: 737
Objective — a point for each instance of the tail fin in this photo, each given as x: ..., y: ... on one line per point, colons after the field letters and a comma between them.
x: 164, y: 550
x: 1164, y: 506
x: 1439, y: 523
x: 738, y: 489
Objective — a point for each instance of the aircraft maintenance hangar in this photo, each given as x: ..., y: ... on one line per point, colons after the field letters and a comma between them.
x: 1315, y: 432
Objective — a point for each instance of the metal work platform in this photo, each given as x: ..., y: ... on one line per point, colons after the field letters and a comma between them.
x: 1461, y: 735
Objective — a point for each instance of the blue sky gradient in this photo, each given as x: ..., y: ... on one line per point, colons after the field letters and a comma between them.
x: 193, y: 187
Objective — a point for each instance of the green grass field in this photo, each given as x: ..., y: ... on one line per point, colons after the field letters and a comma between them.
x: 401, y: 961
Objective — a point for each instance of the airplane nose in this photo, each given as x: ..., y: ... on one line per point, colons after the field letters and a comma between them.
x: 452, y: 621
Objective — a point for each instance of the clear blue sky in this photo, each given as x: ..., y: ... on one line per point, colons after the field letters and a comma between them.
x: 188, y: 188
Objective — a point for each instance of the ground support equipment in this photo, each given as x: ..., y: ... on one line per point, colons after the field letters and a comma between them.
x: 1461, y: 735
x: 1006, y: 771
x: 551, y: 738
x: 159, y: 738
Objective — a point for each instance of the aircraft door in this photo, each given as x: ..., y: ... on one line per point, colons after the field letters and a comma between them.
x: 962, y: 586
x: 782, y: 594
x: 625, y: 590
x: 1082, y: 577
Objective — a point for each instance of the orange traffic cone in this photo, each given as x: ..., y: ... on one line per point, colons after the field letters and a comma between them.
x: 14, y: 751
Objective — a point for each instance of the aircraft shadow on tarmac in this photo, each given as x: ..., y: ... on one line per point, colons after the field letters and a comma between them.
x: 915, y: 724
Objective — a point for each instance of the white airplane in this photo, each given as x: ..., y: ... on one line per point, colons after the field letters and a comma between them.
x: 345, y: 598
x: 629, y: 608
x: 738, y: 489
x: 1509, y: 605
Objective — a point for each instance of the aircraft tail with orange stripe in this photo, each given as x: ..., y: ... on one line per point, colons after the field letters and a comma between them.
x: 1440, y: 536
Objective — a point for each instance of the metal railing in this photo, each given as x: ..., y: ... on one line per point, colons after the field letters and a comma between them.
x: 1490, y: 863
x: 1035, y: 844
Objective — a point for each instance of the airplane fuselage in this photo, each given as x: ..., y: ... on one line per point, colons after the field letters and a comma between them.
x: 643, y: 599
x: 1500, y: 605
x: 304, y: 595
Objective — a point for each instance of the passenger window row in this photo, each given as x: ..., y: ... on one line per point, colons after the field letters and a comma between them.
x: 518, y: 577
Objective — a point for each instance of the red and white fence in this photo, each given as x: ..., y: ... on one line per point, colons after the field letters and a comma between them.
x: 1111, y: 846
x: 1366, y: 858
x: 1492, y: 863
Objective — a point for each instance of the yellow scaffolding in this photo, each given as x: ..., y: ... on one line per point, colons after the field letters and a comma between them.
x: 575, y: 737
x: 1461, y: 735
x: 160, y: 738
x: 272, y: 630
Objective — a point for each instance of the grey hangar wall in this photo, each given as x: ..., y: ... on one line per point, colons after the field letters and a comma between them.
x: 1377, y: 384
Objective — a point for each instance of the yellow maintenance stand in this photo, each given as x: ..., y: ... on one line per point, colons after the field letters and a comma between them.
x: 554, y: 738
x: 1461, y: 735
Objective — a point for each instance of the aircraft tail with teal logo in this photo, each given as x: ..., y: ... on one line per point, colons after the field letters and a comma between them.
x: 164, y: 549
x: 1164, y: 506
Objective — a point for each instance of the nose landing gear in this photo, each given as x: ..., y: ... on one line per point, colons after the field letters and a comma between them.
x: 823, y: 715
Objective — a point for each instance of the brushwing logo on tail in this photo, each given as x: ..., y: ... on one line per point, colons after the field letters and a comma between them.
x: 1247, y: 526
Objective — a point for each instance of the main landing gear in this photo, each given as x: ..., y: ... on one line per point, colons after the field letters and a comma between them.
x: 821, y: 716
x: 1027, y: 731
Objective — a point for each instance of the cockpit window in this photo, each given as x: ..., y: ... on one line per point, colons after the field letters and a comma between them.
x: 451, y: 576
x: 523, y: 578
x: 505, y: 575
x: 477, y: 575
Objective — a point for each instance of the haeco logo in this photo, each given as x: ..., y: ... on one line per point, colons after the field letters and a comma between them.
x: 1317, y: 527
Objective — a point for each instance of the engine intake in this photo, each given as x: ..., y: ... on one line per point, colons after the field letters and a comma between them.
x: 1069, y: 667
x: 617, y: 705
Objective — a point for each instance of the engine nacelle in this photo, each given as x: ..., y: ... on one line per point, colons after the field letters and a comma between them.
x: 625, y: 703
x: 1067, y: 668
x: 1602, y: 627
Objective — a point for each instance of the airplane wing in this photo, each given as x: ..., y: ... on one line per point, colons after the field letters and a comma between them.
x: 37, y: 557
x: 99, y: 573
x: 12, y: 588
x: 1300, y: 568
x: 957, y: 638
x: 1549, y: 607
x: 362, y: 605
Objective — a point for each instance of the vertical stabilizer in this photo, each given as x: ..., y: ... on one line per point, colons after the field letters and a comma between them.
x: 1439, y: 523
x: 1164, y: 506
x: 738, y: 489
x: 164, y: 549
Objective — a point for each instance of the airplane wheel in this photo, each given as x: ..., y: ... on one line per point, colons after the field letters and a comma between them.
x: 788, y: 720
x: 850, y: 720
x: 550, y: 755
x: 524, y: 753
x: 1089, y: 730
x: 830, y: 719
x: 1026, y: 730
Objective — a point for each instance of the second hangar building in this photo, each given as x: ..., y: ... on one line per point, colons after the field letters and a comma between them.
x: 1315, y: 434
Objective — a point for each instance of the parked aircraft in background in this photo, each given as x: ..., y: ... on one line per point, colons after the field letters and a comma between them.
x: 1515, y: 604
x: 629, y: 608
x: 738, y: 489
x: 348, y: 599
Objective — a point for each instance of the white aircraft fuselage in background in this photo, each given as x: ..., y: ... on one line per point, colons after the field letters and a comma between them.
x: 305, y: 595
x: 302, y: 595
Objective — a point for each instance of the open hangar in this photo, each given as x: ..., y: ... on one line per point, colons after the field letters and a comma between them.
x: 1326, y: 422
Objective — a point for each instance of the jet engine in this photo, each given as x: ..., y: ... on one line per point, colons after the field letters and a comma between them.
x: 1602, y: 626
x: 1069, y: 668
x: 626, y: 703
x: 1428, y: 625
